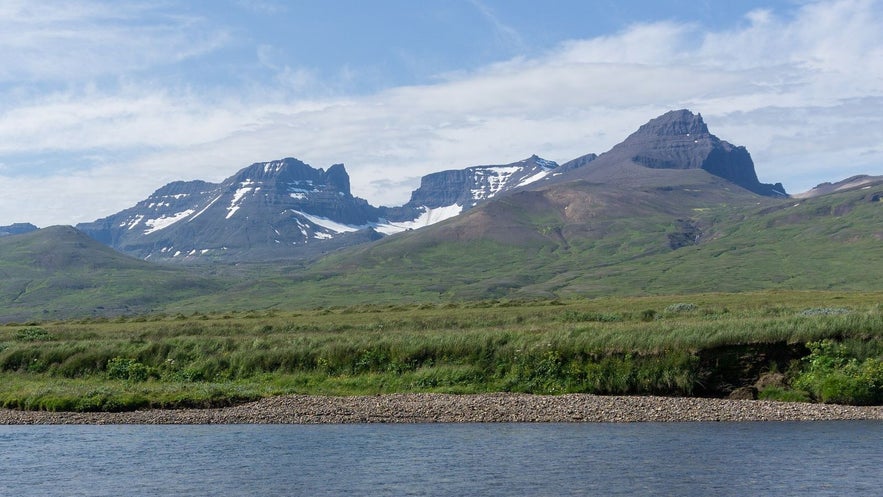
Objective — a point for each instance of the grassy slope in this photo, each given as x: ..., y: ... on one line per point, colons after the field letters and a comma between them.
x: 616, y: 247
x: 58, y: 272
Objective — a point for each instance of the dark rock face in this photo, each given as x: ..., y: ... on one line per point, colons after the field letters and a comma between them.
x: 17, y: 229
x: 680, y: 140
x: 288, y: 209
x: 686, y: 233
x: 279, y: 209
x: 468, y: 187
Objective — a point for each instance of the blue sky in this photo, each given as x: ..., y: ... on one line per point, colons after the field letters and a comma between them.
x: 101, y: 103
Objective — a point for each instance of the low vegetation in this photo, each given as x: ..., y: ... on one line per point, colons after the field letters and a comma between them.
x: 687, y: 345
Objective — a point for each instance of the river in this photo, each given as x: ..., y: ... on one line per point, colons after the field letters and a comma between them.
x: 677, y: 459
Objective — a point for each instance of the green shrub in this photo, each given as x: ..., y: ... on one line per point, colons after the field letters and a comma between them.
x: 831, y: 376
x: 32, y: 335
x: 780, y: 394
x: 120, y: 368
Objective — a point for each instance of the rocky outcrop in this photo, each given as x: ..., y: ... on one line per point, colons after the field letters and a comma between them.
x: 686, y: 233
x: 17, y: 229
x: 681, y: 140
x: 468, y: 187
x: 676, y: 140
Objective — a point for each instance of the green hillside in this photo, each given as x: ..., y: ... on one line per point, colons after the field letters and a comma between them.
x: 533, y: 245
x: 573, y: 240
x: 59, y: 272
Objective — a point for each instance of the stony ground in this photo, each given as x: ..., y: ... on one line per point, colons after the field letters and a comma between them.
x: 484, y: 408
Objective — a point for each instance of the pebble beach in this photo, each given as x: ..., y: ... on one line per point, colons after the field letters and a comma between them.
x: 479, y: 408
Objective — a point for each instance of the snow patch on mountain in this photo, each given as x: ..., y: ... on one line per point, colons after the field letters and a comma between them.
x: 493, y: 179
x: 426, y: 218
x: 133, y: 222
x: 245, y: 188
x: 273, y: 167
x: 533, y: 179
x: 166, y: 221
x: 206, y: 208
x: 329, y: 224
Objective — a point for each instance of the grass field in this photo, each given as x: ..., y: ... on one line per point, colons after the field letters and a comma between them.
x: 827, y: 345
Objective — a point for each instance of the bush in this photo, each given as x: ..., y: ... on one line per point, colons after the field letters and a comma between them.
x: 830, y: 376
x: 32, y: 335
x: 120, y: 368
x: 680, y: 307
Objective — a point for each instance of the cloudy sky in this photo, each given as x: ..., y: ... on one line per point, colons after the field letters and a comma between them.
x: 103, y: 102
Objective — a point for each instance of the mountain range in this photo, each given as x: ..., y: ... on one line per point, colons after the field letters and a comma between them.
x: 672, y: 208
x: 286, y: 209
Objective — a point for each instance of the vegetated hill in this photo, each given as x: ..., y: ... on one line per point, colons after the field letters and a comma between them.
x: 59, y: 272
x: 831, y: 242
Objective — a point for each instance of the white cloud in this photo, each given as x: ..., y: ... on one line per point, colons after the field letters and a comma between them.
x: 81, y: 39
x: 803, y: 93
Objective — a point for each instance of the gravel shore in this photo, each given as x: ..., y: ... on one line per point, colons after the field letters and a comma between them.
x: 483, y: 408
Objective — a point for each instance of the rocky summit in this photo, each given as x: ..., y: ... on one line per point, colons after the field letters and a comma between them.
x: 678, y: 140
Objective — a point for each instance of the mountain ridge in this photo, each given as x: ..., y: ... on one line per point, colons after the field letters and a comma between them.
x: 288, y: 209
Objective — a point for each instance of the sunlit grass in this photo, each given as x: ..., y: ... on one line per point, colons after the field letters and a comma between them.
x: 657, y: 345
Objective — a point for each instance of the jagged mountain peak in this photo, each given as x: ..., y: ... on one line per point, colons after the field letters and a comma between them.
x: 472, y: 185
x: 677, y: 140
x: 674, y: 123
x: 295, y: 173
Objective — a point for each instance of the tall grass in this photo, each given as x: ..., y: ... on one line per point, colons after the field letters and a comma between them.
x: 605, y: 346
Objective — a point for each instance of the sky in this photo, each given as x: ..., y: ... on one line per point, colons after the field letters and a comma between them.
x: 103, y: 102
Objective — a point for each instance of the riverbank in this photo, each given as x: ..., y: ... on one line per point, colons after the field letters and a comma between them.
x: 482, y: 408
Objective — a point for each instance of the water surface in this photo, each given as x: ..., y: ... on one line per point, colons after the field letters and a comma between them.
x: 677, y: 459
